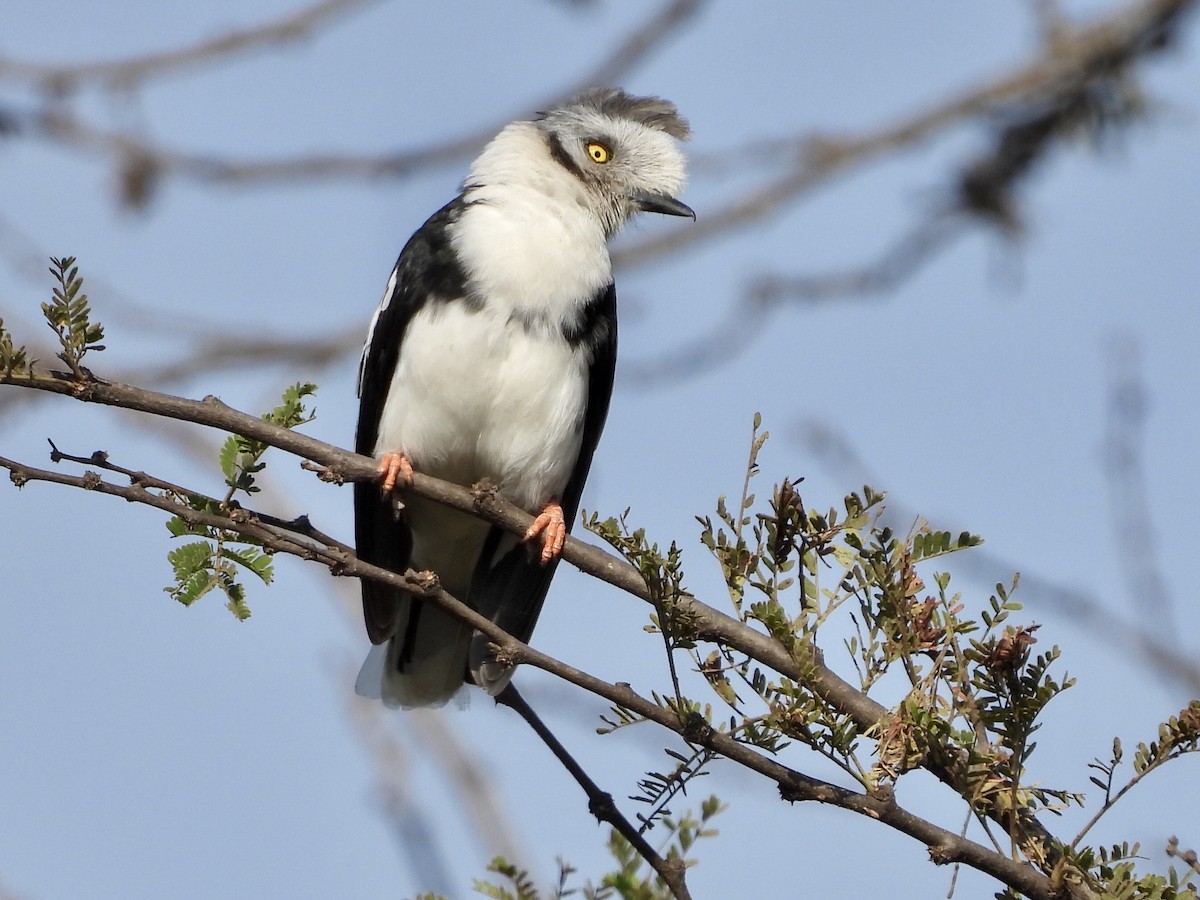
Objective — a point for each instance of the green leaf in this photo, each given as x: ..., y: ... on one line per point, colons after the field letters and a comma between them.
x: 13, y: 360
x: 237, y: 599
x: 68, y: 315
x: 241, y: 456
x: 189, y: 558
x: 253, y: 559
x: 193, y: 571
x: 228, y: 458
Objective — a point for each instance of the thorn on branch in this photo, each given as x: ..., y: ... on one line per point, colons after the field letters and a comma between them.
x: 327, y: 474
x: 484, y: 491
x: 695, y: 729
x: 602, y: 806
x: 793, y: 793
x: 884, y: 792
x: 504, y: 656
x: 428, y: 582
x: 941, y: 854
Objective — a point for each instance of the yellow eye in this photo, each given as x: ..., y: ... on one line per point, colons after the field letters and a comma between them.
x: 598, y: 152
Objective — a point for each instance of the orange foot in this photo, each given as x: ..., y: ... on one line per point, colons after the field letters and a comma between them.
x: 396, y: 471
x: 552, y: 526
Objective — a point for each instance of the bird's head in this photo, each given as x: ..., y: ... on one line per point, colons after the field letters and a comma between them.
x: 623, y: 149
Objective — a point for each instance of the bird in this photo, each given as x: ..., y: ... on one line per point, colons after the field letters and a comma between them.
x: 492, y: 356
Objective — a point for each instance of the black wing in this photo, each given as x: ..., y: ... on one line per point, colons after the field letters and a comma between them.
x: 427, y: 271
x: 511, y: 591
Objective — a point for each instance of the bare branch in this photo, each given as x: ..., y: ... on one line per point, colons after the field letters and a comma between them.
x: 136, y: 155
x: 1132, y: 522
x: 410, y: 823
x: 61, y: 78
x: 1102, y: 46
x: 733, y: 333
x: 895, y: 265
x: 223, y: 351
x: 600, y: 803
x: 643, y: 42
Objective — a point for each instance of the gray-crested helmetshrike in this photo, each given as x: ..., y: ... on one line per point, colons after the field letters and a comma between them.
x: 491, y: 356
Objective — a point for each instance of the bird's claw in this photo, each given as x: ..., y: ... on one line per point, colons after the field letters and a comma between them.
x: 396, y: 472
x: 551, y: 525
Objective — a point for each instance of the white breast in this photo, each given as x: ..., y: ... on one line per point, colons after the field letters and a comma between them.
x: 475, y: 396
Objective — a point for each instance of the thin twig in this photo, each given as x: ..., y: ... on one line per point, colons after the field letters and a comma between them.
x: 1132, y: 521
x: 414, y: 830
x: 600, y: 803
x: 299, y: 525
x: 1111, y: 800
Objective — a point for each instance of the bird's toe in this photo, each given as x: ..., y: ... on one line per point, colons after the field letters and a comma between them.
x: 396, y: 472
x: 551, y: 526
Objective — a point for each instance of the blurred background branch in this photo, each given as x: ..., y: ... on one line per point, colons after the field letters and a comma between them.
x: 57, y: 79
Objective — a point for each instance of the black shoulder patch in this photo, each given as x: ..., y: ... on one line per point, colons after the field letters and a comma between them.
x: 428, y: 267
x: 597, y: 320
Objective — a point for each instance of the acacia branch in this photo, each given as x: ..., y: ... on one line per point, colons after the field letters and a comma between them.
x: 944, y: 846
x: 805, y: 667
x: 1083, y: 609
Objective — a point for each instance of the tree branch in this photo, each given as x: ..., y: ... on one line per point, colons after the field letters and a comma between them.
x: 1132, y: 520
x: 139, y: 157
x: 744, y: 319
x: 600, y: 803
x: 1084, y: 610
x: 944, y: 846
x: 338, y: 465
x: 1104, y: 45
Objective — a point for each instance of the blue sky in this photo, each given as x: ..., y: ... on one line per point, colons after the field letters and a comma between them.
x: 151, y: 750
